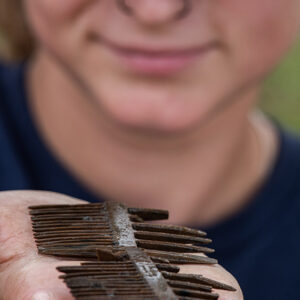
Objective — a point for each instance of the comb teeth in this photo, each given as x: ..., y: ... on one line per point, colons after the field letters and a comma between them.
x: 165, y: 246
x: 73, y: 231
x: 181, y: 230
x: 179, y: 258
x: 126, y: 257
x: 168, y: 237
x: 137, y: 276
x: 189, y: 285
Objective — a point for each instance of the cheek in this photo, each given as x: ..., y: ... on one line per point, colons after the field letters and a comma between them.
x: 258, y: 32
x: 56, y: 9
x: 50, y: 19
x: 260, y: 16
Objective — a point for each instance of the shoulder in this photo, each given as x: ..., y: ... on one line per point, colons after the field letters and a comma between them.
x: 2, y: 67
x: 288, y: 171
x: 290, y: 149
x: 280, y: 193
x: 11, y: 169
x: 11, y: 87
x: 289, y: 161
x: 7, y: 81
x: 6, y: 84
x: 8, y: 76
x: 2, y: 76
x: 5, y: 69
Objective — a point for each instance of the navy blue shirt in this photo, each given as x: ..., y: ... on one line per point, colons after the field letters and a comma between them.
x: 260, y: 246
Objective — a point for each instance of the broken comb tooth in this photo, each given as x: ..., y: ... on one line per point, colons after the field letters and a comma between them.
x: 111, y: 254
x: 168, y: 268
x: 149, y: 214
x: 135, y: 218
x: 125, y: 257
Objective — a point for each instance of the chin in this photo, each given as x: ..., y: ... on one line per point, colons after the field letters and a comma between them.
x: 143, y: 122
x: 149, y: 114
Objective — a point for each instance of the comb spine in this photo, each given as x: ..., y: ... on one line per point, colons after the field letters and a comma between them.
x: 123, y: 233
x: 151, y: 274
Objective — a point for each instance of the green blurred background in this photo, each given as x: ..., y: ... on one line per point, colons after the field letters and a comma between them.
x: 281, y: 93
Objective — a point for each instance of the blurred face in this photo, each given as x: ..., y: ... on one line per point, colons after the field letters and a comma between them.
x: 164, y: 64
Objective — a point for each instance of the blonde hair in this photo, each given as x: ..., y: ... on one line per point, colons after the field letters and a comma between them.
x: 16, y: 42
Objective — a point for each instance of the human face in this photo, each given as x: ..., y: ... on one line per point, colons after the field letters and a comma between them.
x: 147, y: 68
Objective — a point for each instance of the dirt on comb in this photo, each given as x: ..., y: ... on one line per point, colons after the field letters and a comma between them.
x: 126, y: 257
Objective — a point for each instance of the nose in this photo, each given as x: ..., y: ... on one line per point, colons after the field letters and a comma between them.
x: 155, y: 12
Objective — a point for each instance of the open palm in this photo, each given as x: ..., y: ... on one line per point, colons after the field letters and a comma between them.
x: 25, y: 275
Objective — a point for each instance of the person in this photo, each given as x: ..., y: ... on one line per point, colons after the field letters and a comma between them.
x: 151, y: 103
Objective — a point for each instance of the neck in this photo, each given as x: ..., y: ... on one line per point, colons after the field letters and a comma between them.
x: 201, y: 176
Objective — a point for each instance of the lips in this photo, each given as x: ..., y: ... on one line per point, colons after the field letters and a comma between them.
x: 163, y: 61
x: 160, y: 64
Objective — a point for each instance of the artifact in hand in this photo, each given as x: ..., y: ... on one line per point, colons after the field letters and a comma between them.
x: 126, y: 256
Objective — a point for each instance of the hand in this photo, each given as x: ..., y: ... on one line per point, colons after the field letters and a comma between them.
x: 25, y: 275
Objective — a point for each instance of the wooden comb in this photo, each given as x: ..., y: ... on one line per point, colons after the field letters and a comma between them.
x: 127, y: 257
